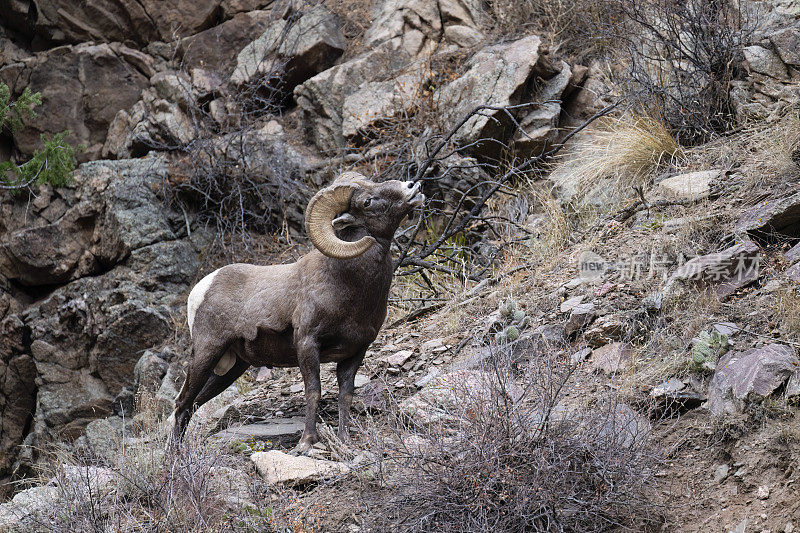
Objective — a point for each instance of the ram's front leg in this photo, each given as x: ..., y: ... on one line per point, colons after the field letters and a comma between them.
x: 308, y: 357
x: 346, y: 376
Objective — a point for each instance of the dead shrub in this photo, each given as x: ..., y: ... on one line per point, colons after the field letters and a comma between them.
x: 513, y: 445
x: 681, y: 57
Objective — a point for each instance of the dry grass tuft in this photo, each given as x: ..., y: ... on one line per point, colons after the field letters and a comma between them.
x: 764, y: 153
x: 789, y: 309
x: 606, y: 163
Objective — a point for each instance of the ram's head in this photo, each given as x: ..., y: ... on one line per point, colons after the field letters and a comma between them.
x: 353, y: 201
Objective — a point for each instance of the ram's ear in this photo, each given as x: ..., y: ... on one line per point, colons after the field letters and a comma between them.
x: 344, y: 220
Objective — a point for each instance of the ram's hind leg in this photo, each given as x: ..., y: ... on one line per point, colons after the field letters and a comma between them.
x: 205, y: 356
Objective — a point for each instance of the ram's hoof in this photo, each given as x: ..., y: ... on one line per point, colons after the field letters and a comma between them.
x: 303, y: 448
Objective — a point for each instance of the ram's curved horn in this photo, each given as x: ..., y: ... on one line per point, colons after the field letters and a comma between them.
x: 326, y: 205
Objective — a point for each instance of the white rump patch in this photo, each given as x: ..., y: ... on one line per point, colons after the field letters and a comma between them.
x: 196, y: 298
x: 225, y: 363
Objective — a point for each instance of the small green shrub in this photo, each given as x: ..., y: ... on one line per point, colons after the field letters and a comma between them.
x: 708, y: 348
x: 53, y: 163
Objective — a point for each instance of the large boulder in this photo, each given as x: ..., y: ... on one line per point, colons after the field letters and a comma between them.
x: 21, y: 513
x: 499, y: 75
x: 423, y: 25
x: 83, y: 87
x: 750, y: 375
x: 378, y: 102
x: 216, y: 48
x: 279, y: 468
x: 322, y: 97
x: 139, y: 21
x: 298, y: 49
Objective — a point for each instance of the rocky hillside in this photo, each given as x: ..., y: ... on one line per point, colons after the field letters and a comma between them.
x: 625, y: 311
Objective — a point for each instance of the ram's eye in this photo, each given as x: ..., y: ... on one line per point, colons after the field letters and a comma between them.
x: 367, y: 202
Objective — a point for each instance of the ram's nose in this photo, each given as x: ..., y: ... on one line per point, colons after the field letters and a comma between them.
x: 413, y: 194
x: 411, y: 188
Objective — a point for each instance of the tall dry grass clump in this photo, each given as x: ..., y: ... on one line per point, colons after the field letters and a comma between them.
x: 606, y: 164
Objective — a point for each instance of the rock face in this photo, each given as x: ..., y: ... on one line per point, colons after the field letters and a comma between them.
x: 216, y: 48
x: 322, y: 97
x: 424, y: 25
x: 83, y: 87
x: 69, y: 356
x: 140, y: 21
x: 753, y: 374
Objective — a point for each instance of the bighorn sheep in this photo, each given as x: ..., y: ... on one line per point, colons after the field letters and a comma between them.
x: 326, y: 307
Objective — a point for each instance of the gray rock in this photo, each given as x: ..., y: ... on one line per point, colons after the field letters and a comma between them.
x: 361, y: 380
x: 612, y: 358
x: 301, y: 49
x: 775, y: 216
x: 174, y: 87
x: 728, y: 329
x: 552, y: 334
x: 675, y: 395
x: 76, y: 347
x: 793, y: 254
x: 17, y: 514
x: 787, y: 42
x: 140, y: 21
x: 104, y: 437
x: 607, y: 328
x: 725, y: 272
x: 497, y: 75
x: 81, y: 482
x: 375, y: 103
x: 691, y: 186
x: 82, y: 93
x: 766, y: 62
x: 580, y: 356
x: 793, y: 385
x: 322, y: 97
x: 398, y: 358
x: 539, y: 126
x: 793, y: 273
x: 215, y: 49
x: 580, y: 316
x: 278, y: 468
x: 753, y: 374
x: 569, y: 304
x: 669, y: 387
x: 423, y: 25
x: 721, y: 473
